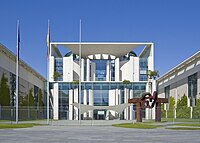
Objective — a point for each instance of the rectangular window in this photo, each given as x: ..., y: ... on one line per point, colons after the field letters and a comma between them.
x: 143, y: 64
x: 58, y: 72
x: 167, y: 92
x: 192, y: 89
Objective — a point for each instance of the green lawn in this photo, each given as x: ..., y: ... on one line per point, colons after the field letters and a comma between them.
x: 6, y: 126
x: 183, y: 128
x: 180, y: 120
x: 136, y: 125
x: 188, y: 124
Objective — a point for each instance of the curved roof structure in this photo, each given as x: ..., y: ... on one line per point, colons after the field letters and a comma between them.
x: 91, y: 48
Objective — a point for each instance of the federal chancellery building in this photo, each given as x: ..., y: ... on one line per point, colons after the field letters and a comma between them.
x: 102, y: 69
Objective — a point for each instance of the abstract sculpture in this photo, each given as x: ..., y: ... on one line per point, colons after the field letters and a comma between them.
x: 148, y: 101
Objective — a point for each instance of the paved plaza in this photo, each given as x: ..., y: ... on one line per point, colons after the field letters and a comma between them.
x: 95, y: 134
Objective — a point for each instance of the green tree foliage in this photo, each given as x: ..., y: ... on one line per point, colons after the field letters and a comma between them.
x: 182, y: 110
x: 31, y: 98
x: 196, y: 110
x: 153, y: 74
x: 170, y: 111
x: 41, y: 104
x: 23, y: 101
x: 4, y: 92
x: 125, y: 82
x: 56, y: 75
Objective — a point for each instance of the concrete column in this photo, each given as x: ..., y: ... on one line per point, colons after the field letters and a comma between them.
x: 85, y: 101
x: 68, y: 69
x: 88, y: 70
x: 51, y: 68
x: 131, y: 107
x: 117, y: 97
x: 136, y: 69
x: 117, y: 70
x: 71, y: 99
x: 55, y: 99
x: 108, y: 71
x: 126, y: 95
x: 120, y: 96
x: 93, y: 71
x: 91, y: 102
x: 82, y: 69
x: 76, y: 100
x: 112, y: 100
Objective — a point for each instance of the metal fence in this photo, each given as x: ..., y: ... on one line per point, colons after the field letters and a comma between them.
x: 25, y: 113
x: 181, y: 114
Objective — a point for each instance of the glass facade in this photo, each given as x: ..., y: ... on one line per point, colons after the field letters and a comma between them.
x: 167, y: 92
x: 58, y: 69
x: 100, y: 70
x: 63, y: 102
x: 100, y: 94
x: 192, y: 89
x: 143, y: 69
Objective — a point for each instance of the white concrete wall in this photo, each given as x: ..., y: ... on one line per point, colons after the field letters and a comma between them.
x: 126, y: 110
x: 76, y: 69
x: 91, y: 102
x: 93, y: 71
x: 117, y: 69
x: 85, y: 101
x: 127, y: 70
x: 76, y: 99
x: 108, y: 71
x: 71, y: 100
x: 55, y: 102
x: 51, y: 68
x: 131, y: 107
x: 112, y: 98
x: 82, y: 69
x: 68, y: 69
x: 88, y: 70
x: 136, y: 68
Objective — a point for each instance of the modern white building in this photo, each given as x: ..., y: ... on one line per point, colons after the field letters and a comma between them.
x: 101, y: 67
x: 184, y: 79
x: 28, y: 77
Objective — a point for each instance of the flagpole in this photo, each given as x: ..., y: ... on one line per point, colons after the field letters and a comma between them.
x: 48, y: 52
x: 17, y: 73
x: 80, y: 72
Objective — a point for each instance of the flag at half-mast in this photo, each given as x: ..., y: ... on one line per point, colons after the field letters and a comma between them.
x: 48, y: 40
x: 18, y: 39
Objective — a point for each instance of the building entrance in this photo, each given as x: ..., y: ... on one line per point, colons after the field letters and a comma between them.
x: 99, y: 114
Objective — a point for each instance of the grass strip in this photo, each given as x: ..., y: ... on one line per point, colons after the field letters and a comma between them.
x: 183, y: 128
x: 7, y: 126
x: 136, y: 125
x: 188, y: 124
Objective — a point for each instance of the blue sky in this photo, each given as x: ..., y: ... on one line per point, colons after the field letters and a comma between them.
x: 173, y: 25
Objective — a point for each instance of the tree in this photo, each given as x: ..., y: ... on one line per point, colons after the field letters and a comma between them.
x: 152, y: 74
x: 182, y: 110
x: 196, y: 110
x: 170, y: 110
x: 31, y: 98
x: 4, y: 92
x: 125, y: 82
x: 56, y: 75
x: 41, y: 104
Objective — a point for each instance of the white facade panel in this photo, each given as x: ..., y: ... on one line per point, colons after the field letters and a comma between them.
x: 55, y: 102
x: 136, y: 69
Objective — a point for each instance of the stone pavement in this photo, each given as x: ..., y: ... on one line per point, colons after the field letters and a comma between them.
x: 95, y: 134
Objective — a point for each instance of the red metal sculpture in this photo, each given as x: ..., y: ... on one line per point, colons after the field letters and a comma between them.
x: 148, y: 101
